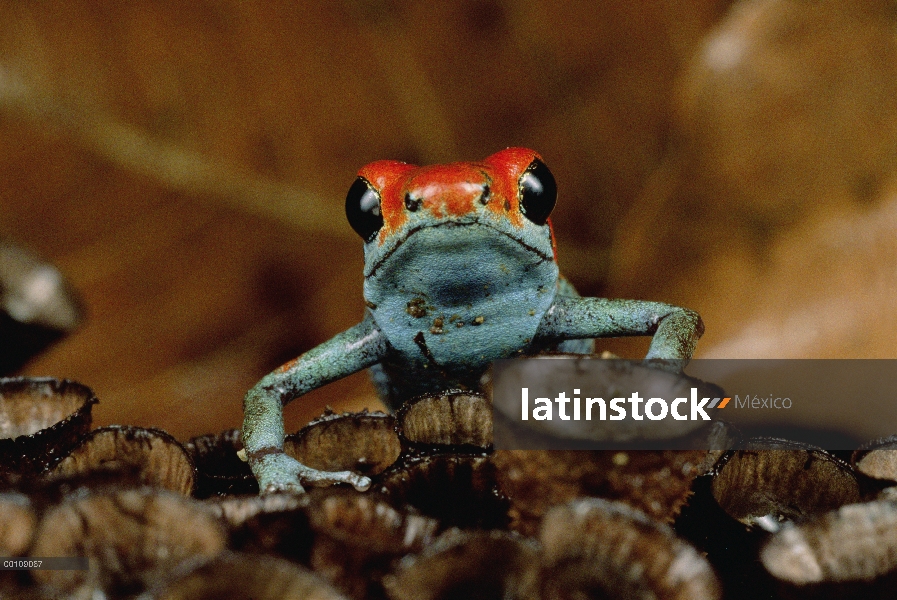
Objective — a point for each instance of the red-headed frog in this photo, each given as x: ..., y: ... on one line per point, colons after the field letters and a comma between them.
x: 459, y: 270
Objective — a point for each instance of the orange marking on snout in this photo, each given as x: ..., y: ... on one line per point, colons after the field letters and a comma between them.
x: 447, y: 190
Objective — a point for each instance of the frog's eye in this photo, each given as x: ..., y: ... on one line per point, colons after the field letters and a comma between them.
x: 538, y: 192
x: 363, y: 209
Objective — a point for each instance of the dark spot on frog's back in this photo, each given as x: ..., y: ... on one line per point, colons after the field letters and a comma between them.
x: 416, y: 308
x: 421, y: 343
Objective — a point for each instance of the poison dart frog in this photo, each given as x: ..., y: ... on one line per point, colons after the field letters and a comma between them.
x: 459, y: 270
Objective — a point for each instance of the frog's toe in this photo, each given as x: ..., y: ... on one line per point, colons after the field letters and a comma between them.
x: 360, y: 483
x: 277, y: 472
x: 322, y: 478
x: 277, y: 487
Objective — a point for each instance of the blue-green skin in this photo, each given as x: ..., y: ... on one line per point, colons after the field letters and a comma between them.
x: 498, y: 279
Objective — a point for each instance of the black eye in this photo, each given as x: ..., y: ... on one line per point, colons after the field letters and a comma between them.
x: 538, y: 192
x: 363, y: 209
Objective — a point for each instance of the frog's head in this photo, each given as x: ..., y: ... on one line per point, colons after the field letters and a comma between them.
x: 467, y: 241
x: 395, y: 206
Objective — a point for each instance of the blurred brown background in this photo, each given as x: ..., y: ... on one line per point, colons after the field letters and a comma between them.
x: 185, y: 165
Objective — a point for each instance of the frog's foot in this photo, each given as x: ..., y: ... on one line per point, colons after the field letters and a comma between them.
x: 277, y: 472
x: 319, y: 478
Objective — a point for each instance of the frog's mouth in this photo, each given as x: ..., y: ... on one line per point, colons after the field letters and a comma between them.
x: 442, y: 245
x: 457, y: 267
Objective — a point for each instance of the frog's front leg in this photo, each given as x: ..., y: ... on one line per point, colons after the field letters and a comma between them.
x: 263, y: 431
x: 675, y: 330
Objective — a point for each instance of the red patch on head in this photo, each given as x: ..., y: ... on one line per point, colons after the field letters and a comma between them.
x: 448, y: 190
x: 506, y: 167
x: 388, y: 178
x: 451, y: 189
x: 512, y: 161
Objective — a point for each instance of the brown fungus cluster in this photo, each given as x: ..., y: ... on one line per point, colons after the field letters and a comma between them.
x: 446, y: 517
x: 366, y: 443
x: 769, y: 481
x: 41, y: 420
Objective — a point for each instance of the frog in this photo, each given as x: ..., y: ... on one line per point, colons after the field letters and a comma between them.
x: 460, y: 270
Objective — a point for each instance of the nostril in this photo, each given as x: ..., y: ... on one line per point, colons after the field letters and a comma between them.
x: 412, y: 204
x: 485, y: 195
